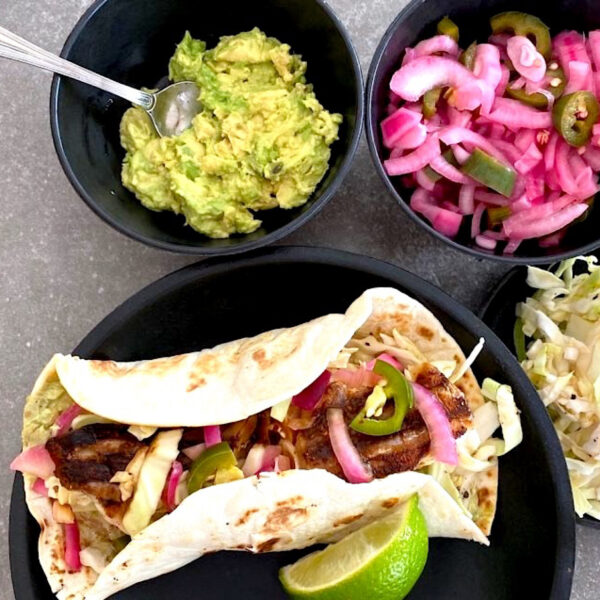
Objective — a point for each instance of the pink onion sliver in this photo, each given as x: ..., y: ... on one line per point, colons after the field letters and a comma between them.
x: 456, y: 135
x: 72, y: 547
x: 355, y: 377
x: 413, y: 138
x: 212, y: 435
x: 400, y: 122
x: 579, y: 77
x: 39, y: 487
x: 460, y: 118
x: 594, y: 44
x: 529, y: 160
x: 416, y: 160
x: 443, y: 220
x: 346, y: 453
x: 450, y: 172
x: 535, y: 183
x: 576, y: 162
x: 466, y: 202
x: 443, y: 444
x: 424, y: 181
x: 497, y: 131
x: 563, y: 168
x: 34, y: 461
x: 512, y: 246
x: 487, y: 64
x: 569, y: 46
x: 524, y: 138
x: 546, y: 226
x: 525, y: 58
x: 424, y: 73
x: 435, y: 44
x: 515, y: 115
x: 539, y: 211
x: 550, y: 151
x: 385, y: 357
x: 503, y: 83
x: 476, y: 221
x: 64, y: 420
x: 522, y: 203
x: 592, y: 157
x: 460, y: 153
x: 172, y: 483
x: 485, y: 242
x: 309, y: 397
x: 509, y: 150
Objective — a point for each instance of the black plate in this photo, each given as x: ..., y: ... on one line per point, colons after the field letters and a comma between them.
x: 533, y: 541
x: 499, y: 314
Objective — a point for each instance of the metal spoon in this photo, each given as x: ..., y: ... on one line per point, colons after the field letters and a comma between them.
x: 171, y: 109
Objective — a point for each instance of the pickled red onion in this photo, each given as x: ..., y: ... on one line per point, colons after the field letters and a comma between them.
x: 64, y: 420
x: 34, y: 461
x: 39, y: 487
x: 309, y: 397
x: 72, y: 547
x: 443, y: 444
x: 172, y: 483
x: 355, y: 470
x: 525, y: 58
x: 212, y: 435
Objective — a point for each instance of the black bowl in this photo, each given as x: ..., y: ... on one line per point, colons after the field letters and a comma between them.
x: 131, y: 41
x: 499, y: 313
x: 418, y: 21
x: 533, y: 538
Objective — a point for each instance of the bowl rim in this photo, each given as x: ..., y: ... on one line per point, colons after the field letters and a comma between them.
x: 417, y: 287
x: 242, y: 246
x: 371, y: 129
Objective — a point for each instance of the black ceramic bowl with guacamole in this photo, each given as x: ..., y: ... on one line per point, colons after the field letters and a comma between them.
x: 134, y: 42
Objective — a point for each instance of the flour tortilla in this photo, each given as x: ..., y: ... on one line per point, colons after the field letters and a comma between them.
x: 228, y: 383
x: 235, y: 380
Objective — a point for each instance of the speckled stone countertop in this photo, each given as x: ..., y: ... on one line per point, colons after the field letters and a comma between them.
x: 63, y: 269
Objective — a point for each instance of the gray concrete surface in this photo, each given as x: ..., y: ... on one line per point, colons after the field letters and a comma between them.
x: 63, y: 269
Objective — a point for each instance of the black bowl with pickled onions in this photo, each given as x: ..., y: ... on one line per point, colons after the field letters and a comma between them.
x: 492, y: 148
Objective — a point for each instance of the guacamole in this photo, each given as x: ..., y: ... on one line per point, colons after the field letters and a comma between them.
x: 261, y: 141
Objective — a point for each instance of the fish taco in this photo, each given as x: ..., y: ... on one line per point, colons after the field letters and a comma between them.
x: 294, y: 437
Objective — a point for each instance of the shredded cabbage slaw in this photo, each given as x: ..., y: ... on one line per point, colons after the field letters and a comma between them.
x: 562, y: 320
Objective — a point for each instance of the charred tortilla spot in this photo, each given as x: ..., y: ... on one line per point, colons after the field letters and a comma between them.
x: 390, y: 502
x: 268, y: 545
x: 425, y: 332
x: 195, y: 383
x: 483, y: 495
x: 348, y: 520
x: 246, y: 516
x: 292, y: 500
x: 109, y: 367
x: 285, y: 518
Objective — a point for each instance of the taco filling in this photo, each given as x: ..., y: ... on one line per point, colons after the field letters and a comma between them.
x: 393, y: 410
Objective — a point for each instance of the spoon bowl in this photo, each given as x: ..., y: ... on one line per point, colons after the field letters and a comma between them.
x: 175, y: 107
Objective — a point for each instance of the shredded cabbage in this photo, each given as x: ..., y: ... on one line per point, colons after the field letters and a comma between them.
x: 562, y: 318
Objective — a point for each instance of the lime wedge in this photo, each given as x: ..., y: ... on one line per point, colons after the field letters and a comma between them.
x: 383, y: 560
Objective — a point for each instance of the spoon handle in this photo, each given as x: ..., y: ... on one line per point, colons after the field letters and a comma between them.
x: 16, y: 48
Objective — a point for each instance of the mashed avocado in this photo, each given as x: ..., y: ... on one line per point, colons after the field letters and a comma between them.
x: 261, y: 141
